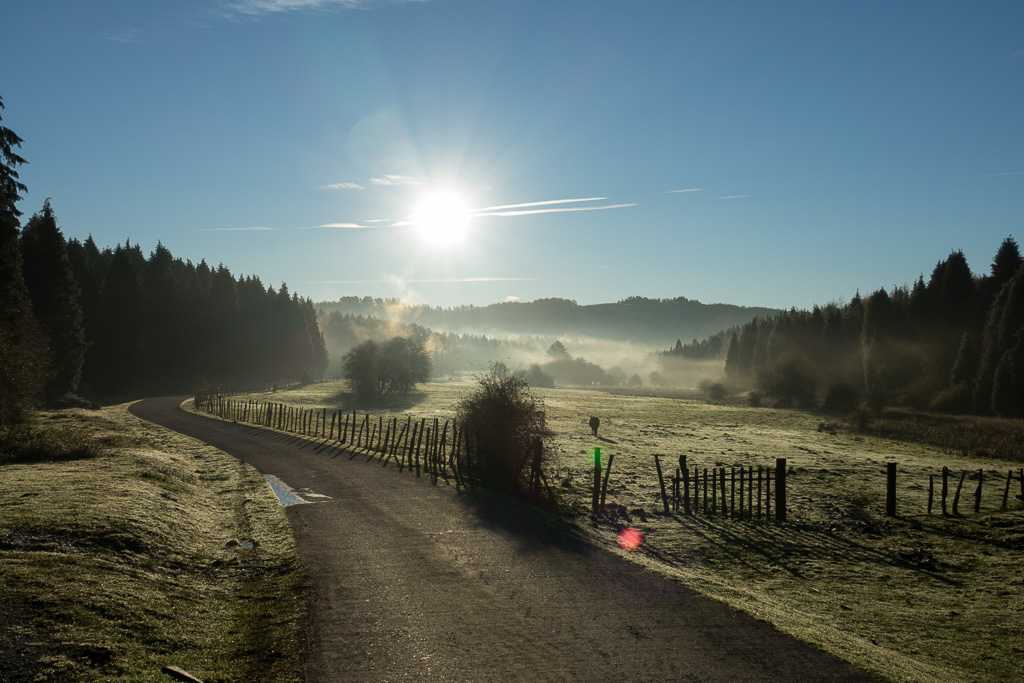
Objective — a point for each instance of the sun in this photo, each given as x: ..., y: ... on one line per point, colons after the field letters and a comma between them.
x: 442, y: 218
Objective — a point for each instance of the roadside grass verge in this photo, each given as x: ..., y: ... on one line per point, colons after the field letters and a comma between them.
x: 151, y: 550
x: 917, y: 597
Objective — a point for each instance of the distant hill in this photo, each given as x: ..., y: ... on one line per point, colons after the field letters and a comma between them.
x: 654, y: 322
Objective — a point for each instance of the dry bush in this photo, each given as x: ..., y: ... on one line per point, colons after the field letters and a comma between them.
x: 23, y: 444
x: 503, y: 422
x: 981, y: 436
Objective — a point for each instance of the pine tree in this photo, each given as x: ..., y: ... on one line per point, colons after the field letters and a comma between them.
x: 1005, y: 324
x: 1006, y: 262
x: 117, y: 361
x: 23, y: 360
x: 1007, y: 392
x: 55, y: 301
x: 161, y: 320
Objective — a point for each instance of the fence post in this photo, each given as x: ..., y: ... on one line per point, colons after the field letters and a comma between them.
x: 780, y: 489
x: 661, y: 481
x: 759, y: 474
x: 607, y: 472
x: 890, y: 489
x: 705, y: 490
x: 750, y: 491
x: 595, y: 503
x: 686, y: 484
x: 725, y: 507
x: 977, y: 492
x: 931, y: 491
x: 742, y: 471
x: 956, y: 498
x: 945, y: 489
x: 732, y: 492
x: 1006, y: 491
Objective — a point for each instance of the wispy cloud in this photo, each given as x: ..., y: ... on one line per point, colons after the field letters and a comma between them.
x: 556, y: 210
x: 546, y: 203
x: 258, y: 7
x: 735, y: 196
x: 249, y: 229
x: 131, y: 36
x: 994, y: 175
x: 551, y: 205
x: 391, y: 180
x: 691, y: 189
x: 523, y: 209
x: 341, y: 186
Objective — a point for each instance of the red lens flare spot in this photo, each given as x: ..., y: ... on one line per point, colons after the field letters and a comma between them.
x: 630, y: 538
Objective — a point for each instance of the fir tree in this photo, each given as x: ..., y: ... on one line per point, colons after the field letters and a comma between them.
x: 54, y: 293
x: 23, y: 358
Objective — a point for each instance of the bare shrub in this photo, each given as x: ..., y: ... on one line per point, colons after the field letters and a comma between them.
x: 22, y: 444
x: 713, y: 392
x: 505, y: 431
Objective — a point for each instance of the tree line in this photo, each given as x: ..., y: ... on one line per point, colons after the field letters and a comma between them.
x: 80, y: 321
x: 953, y: 343
x: 635, y: 319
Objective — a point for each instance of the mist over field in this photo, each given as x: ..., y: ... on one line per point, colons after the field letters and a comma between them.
x: 625, y: 343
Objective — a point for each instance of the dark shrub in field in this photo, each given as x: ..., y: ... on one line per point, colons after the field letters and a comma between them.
x: 504, y: 430
x: 840, y: 398
x: 790, y: 380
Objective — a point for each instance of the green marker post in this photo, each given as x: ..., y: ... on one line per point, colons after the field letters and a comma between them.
x: 597, y: 479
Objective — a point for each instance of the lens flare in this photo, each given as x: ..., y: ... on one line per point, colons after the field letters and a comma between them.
x: 630, y: 538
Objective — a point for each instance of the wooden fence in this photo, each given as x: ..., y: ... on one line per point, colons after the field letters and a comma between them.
x: 435, y: 446
x: 941, y: 499
x: 439, y: 448
x: 737, y: 492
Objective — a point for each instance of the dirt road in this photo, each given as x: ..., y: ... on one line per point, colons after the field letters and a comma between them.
x: 415, y: 581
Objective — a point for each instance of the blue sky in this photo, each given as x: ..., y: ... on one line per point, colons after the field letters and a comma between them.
x: 760, y: 153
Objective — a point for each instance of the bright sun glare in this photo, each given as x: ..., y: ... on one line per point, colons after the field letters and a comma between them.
x: 441, y: 218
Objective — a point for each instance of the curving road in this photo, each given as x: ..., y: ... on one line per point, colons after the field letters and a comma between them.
x: 419, y: 582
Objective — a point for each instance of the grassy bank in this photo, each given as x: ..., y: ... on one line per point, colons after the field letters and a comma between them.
x: 917, y: 597
x: 159, y: 550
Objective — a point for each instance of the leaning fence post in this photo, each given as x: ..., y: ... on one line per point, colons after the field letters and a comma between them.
x: 956, y: 498
x: 780, y: 489
x: 607, y: 472
x: 890, y: 489
x: 661, y: 481
x: 1006, y: 491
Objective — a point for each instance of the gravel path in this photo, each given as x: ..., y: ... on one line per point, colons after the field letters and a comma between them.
x: 415, y: 581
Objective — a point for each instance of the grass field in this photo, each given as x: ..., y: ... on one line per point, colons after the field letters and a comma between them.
x: 159, y: 550
x: 915, y: 597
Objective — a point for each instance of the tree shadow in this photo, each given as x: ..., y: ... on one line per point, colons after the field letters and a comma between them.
x: 349, y: 400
